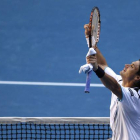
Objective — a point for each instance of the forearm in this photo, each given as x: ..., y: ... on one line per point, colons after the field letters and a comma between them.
x: 100, y: 58
x: 106, y: 79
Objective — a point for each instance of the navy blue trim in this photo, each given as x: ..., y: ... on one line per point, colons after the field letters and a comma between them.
x: 137, y: 89
x: 131, y: 92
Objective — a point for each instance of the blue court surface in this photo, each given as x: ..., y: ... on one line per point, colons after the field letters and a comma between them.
x: 43, y: 41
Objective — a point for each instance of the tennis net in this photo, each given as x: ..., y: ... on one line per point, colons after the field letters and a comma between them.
x: 54, y: 128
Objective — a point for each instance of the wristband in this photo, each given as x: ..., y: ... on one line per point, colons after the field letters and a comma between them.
x: 100, y: 72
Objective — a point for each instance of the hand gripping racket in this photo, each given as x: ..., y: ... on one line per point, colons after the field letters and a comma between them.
x: 94, y: 32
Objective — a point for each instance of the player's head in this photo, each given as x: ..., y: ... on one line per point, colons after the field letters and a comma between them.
x: 131, y: 74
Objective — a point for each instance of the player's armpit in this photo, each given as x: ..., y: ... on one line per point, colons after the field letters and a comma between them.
x: 112, y: 85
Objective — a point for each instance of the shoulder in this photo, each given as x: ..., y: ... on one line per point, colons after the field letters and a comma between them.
x: 130, y: 99
x: 130, y: 92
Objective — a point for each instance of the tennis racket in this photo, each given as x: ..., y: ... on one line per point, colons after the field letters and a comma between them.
x: 94, y: 32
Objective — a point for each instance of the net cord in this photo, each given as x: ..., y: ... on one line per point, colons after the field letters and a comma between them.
x: 55, y: 120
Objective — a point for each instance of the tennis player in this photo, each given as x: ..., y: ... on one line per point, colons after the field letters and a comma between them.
x: 125, y: 100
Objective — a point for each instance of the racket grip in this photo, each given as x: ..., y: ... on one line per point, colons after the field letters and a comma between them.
x: 87, y: 87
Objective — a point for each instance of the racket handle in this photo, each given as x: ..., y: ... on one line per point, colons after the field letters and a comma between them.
x: 87, y: 88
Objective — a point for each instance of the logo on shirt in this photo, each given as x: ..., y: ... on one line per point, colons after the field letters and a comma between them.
x: 131, y: 92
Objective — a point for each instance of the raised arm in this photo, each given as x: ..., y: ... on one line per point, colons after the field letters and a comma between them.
x: 106, y: 79
x: 99, y: 63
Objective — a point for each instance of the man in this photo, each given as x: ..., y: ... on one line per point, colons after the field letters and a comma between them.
x: 125, y: 100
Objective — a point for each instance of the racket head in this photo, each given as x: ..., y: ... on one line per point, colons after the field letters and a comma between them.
x: 94, y: 27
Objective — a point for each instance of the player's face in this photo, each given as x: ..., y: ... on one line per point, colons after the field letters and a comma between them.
x: 130, y: 70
